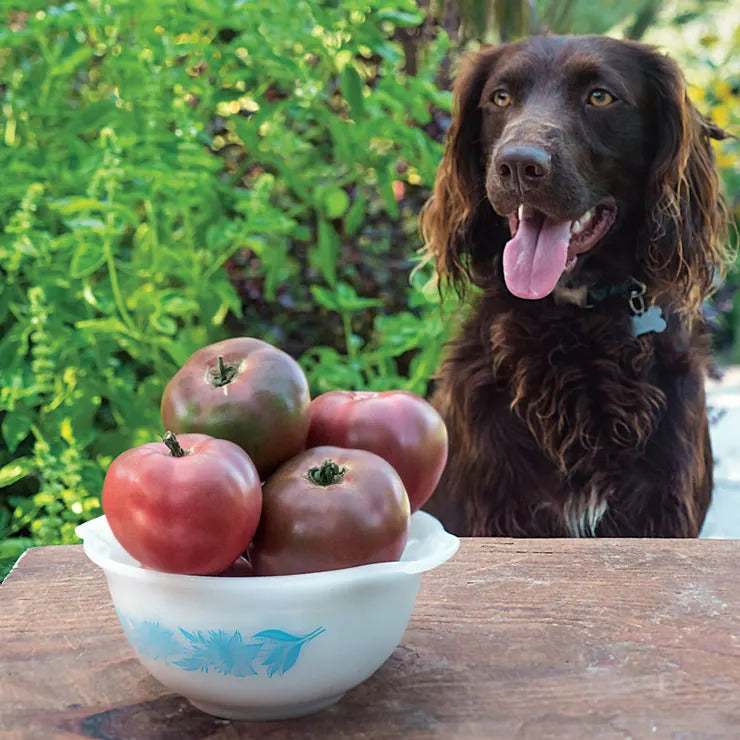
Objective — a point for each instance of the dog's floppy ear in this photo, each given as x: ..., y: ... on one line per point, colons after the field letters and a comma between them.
x: 449, y: 217
x: 686, y: 246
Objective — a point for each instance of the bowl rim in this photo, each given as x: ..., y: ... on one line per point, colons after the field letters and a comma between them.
x: 94, y: 533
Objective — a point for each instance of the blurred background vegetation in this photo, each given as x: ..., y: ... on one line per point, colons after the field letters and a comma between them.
x: 180, y: 171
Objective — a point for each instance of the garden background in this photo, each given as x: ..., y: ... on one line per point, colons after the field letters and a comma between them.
x: 176, y: 172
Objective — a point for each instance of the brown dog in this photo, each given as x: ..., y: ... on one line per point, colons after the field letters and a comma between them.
x: 578, y: 194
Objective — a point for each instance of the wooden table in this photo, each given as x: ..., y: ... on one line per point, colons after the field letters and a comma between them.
x: 509, y: 639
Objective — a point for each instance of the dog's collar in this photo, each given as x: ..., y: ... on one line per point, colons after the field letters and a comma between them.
x: 633, y: 288
x: 588, y: 296
x: 644, y: 318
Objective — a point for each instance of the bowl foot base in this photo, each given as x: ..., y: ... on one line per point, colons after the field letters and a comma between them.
x: 260, y: 713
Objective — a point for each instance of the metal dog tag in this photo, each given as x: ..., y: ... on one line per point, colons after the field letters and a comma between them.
x: 649, y: 320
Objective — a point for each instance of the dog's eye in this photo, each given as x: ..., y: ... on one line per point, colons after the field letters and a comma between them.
x: 501, y: 98
x: 600, y: 98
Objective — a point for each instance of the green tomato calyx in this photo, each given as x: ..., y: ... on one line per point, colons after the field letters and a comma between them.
x: 327, y: 474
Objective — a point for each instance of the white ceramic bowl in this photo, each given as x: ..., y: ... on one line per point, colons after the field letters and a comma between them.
x: 269, y: 647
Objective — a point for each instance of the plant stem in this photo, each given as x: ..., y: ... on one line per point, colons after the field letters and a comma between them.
x: 111, y: 263
x: 173, y: 445
x: 224, y: 374
x: 347, y: 324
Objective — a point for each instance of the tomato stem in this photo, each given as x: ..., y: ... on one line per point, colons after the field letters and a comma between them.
x: 327, y: 473
x: 173, y: 445
x: 223, y: 375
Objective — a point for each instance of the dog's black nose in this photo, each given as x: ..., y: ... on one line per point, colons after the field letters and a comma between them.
x: 522, y: 166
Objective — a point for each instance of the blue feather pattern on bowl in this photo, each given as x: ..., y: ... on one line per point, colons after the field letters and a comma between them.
x: 273, y: 651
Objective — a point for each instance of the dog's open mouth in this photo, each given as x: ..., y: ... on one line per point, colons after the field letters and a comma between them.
x: 541, y: 249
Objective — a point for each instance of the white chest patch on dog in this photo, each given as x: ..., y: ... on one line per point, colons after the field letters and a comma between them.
x: 583, y: 517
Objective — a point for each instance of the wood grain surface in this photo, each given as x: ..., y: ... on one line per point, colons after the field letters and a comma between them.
x: 510, y: 639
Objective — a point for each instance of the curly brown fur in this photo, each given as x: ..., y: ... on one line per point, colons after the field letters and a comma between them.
x: 561, y: 421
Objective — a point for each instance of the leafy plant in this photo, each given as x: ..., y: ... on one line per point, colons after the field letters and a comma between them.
x: 175, y: 173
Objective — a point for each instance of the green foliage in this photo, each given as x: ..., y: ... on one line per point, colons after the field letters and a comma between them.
x: 373, y: 364
x: 156, y: 157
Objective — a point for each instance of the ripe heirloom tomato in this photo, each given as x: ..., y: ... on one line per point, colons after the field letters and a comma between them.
x: 400, y: 426
x: 188, y: 505
x: 244, y: 390
x: 330, y: 508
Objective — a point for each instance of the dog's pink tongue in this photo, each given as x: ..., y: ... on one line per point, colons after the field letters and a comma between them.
x: 534, y: 259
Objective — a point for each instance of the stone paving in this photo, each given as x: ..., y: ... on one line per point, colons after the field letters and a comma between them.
x: 723, y: 398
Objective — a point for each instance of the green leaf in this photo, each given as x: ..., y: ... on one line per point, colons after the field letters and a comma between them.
x: 325, y: 256
x: 106, y: 326
x: 684, y: 18
x: 14, y: 546
x: 163, y: 324
x: 12, y: 348
x: 73, y: 60
x: 355, y: 216
x: 352, y: 90
x: 177, y: 305
x: 77, y: 204
x: 87, y: 258
x: 85, y: 223
x: 324, y: 298
x: 15, y: 470
x: 15, y: 427
x: 425, y: 290
x: 388, y: 51
x: 400, y: 18
x: 348, y: 300
x: 10, y: 550
x: 336, y: 202
x: 341, y: 134
x: 175, y: 350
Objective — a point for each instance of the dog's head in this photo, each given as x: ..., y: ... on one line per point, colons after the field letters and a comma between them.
x: 580, y: 160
